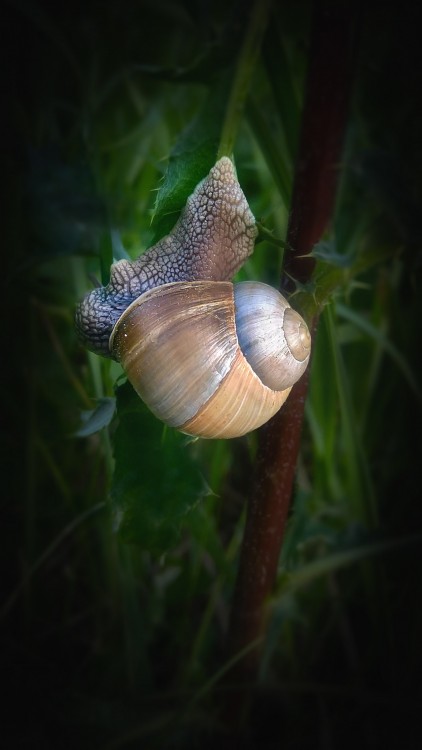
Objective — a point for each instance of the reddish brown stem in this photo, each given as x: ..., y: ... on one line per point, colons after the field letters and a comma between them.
x: 331, y: 64
x: 329, y: 81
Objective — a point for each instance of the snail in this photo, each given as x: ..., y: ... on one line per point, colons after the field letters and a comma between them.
x: 210, y: 358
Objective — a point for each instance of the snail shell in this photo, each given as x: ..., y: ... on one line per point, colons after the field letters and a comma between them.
x: 212, y: 359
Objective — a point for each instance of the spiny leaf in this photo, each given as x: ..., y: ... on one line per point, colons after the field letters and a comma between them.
x: 327, y: 252
x: 156, y: 481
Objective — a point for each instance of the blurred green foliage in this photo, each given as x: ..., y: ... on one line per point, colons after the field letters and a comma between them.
x: 115, y: 112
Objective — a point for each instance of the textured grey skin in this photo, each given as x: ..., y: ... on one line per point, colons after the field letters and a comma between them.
x: 212, y: 239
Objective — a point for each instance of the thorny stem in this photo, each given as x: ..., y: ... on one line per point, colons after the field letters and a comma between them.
x: 331, y: 63
x: 242, y: 78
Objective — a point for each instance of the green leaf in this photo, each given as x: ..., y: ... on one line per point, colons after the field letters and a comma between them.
x: 97, y: 418
x: 156, y: 481
x: 192, y: 158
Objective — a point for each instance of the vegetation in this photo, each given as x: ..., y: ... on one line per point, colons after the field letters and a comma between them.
x: 122, y: 538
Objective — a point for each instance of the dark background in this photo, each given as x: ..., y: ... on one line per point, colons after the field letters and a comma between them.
x: 62, y: 648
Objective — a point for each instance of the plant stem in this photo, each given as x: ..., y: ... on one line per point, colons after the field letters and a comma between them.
x: 245, y: 68
x: 331, y: 63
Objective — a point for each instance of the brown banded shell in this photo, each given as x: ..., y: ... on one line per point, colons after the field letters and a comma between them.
x: 185, y: 351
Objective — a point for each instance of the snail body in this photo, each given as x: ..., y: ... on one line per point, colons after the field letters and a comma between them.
x: 210, y: 358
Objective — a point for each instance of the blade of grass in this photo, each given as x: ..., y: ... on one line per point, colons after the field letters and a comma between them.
x: 280, y: 77
x: 317, y: 568
x: 361, y: 494
x: 55, y: 544
x: 270, y: 149
x: 384, y: 342
x: 245, y: 68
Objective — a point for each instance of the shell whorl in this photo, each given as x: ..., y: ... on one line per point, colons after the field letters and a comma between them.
x: 212, y: 239
x: 273, y: 337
